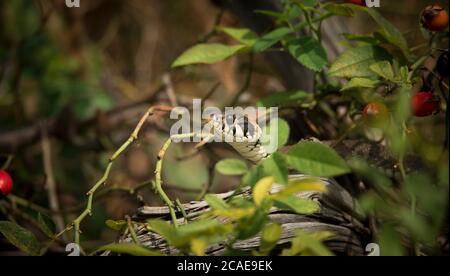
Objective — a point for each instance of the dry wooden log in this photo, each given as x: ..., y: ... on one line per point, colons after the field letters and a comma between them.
x: 338, y: 214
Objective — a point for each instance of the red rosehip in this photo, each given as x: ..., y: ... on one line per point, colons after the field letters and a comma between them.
x: 376, y: 115
x: 357, y: 2
x: 6, y: 183
x: 434, y: 18
x: 424, y: 104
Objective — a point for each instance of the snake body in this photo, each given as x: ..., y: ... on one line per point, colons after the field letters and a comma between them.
x: 243, y: 134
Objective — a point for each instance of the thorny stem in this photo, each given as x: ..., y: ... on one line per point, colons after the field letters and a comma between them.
x: 158, y: 170
x: 133, y: 137
x: 132, y: 232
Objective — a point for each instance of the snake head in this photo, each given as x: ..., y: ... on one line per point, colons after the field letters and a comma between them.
x: 235, y: 127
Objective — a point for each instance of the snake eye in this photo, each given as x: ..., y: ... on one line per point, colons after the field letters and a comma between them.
x: 247, y: 127
x: 229, y: 119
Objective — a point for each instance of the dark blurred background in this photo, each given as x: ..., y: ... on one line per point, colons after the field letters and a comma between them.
x: 75, y: 81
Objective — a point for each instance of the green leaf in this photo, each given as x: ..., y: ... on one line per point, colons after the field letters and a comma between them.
x: 198, y: 246
x: 252, y: 225
x: 383, y: 69
x: 243, y: 35
x: 277, y: 130
x: 362, y: 38
x: 207, y: 53
x: 316, y: 159
x: 117, y: 225
x: 46, y: 225
x: 308, y: 244
x: 197, y: 228
x: 389, y: 240
x: 390, y: 32
x: 301, y: 206
x: 355, y: 62
x: 360, y: 83
x: 216, y: 202
x: 166, y: 230
x: 288, y: 98
x: 270, y: 39
x: 275, y: 166
x: 339, y: 9
x: 130, y: 249
x: 262, y: 189
x: 309, y: 52
x: 231, y: 167
x: 300, y: 184
x: 20, y: 237
x: 269, y: 237
x: 294, y: 13
x: 235, y: 213
x: 253, y: 176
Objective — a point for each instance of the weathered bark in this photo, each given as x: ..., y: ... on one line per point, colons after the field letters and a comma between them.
x: 338, y: 214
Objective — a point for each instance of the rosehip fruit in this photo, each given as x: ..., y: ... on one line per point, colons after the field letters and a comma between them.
x: 6, y: 183
x: 424, y: 104
x: 434, y: 18
x: 376, y: 115
x: 357, y: 2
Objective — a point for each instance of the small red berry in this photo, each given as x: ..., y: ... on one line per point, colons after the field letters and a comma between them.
x: 376, y: 115
x: 434, y: 18
x: 442, y: 65
x: 424, y: 104
x: 357, y: 2
x: 6, y: 183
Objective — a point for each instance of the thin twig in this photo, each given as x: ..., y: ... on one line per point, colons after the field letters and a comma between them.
x: 50, y: 181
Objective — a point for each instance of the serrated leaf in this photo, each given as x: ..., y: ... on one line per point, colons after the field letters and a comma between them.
x: 216, y: 202
x: 207, y: 54
x: 46, y: 225
x: 117, y: 225
x: 243, y: 35
x: 231, y: 167
x: 269, y: 237
x: 300, y: 206
x: 262, y: 189
x: 355, y: 62
x: 276, y: 166
x: 390, y: 32
x: 288, y: 98
x: 383, y: 69
x: 271, y: 38
x: 316, y: 159
x: 20, y: 237
x: 130, y: 249
x: 360, y: 83
x: 309, y: 52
